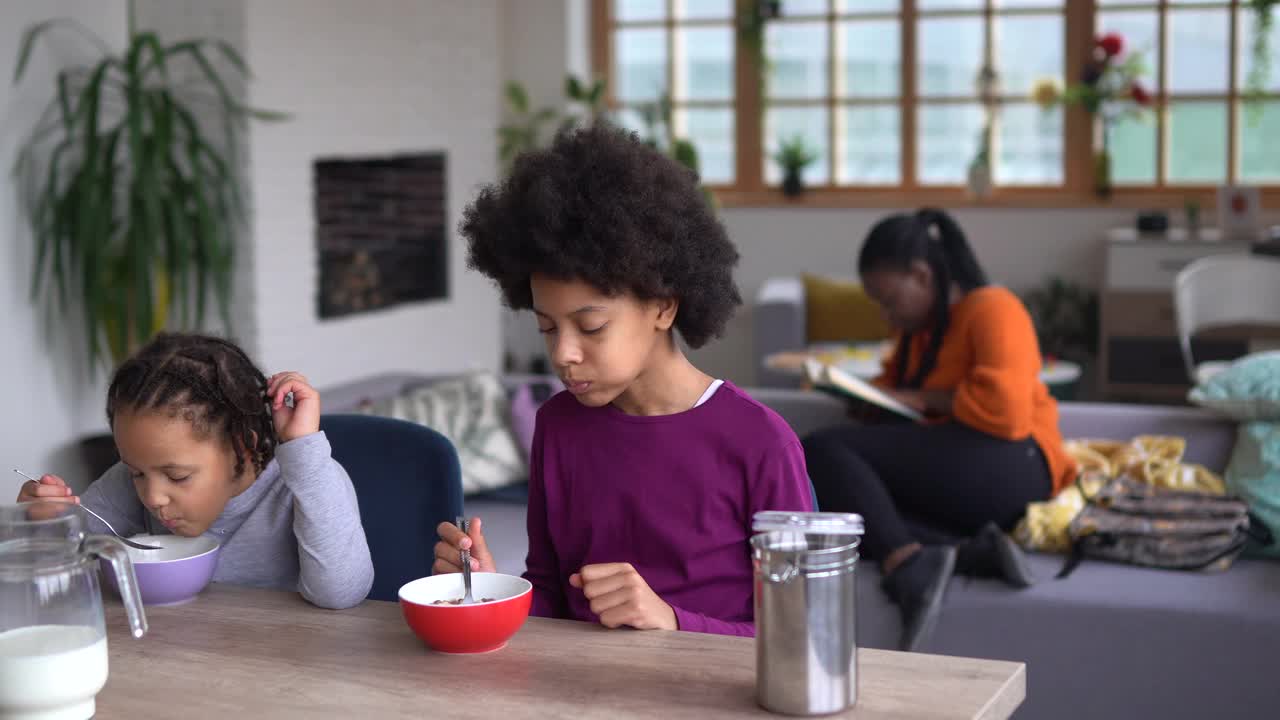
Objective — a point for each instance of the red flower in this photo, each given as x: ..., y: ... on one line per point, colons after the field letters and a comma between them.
x: 1112, y: 44
x: 1140, y: 94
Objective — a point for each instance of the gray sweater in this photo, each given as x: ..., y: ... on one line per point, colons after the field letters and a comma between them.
x: 296, y: 528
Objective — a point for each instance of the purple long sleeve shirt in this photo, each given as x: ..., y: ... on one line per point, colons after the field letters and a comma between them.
x: 673, y: 495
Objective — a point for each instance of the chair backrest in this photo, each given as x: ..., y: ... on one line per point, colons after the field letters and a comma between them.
x: 407, y: 482
x: 1225, y: 290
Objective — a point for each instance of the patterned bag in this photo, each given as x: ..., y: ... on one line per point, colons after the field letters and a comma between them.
x: 1132, y: 522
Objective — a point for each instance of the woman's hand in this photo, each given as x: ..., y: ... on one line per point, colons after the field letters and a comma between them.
x: 928, y: 402
x: 619, y: 596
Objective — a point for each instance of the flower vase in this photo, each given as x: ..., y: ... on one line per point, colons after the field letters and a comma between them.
x: 1102, y: 159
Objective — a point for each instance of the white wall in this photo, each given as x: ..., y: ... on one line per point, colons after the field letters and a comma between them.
x: 369, y: 78
x: 46, y: 396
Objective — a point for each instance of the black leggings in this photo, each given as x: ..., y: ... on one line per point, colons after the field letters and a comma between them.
x: 928, y: 484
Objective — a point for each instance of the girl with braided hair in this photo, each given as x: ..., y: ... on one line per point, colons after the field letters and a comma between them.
x: 967, y: 357
x: 210, y: 445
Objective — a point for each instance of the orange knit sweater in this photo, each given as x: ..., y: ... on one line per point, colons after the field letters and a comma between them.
x: 991, y: 359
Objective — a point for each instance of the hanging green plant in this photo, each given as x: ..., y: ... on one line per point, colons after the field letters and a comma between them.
x: 1260, y: 73
x: 133, y: 208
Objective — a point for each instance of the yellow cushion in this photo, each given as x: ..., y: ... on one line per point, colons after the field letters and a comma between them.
x: 840, y: 311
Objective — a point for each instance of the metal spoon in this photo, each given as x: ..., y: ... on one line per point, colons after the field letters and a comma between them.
x: 465, y: 525
x: 123, y: 539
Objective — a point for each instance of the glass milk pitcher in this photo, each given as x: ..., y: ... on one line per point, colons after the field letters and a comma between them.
x: 53, y: 643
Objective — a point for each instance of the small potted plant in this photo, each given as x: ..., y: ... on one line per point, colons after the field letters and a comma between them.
x: 793, y: 156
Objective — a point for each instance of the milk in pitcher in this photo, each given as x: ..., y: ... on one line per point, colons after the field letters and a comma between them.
x: 51, y: 672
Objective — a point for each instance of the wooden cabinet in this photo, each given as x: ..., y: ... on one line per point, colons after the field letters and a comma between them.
x: 1139, y: 355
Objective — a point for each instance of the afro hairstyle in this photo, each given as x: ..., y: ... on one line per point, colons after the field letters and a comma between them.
x: 603, y: 207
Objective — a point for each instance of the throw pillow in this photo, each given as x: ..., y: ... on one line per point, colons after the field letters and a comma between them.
x: 840, y: 311
x: 524, y: 409
x: 1254, y: 475
x: 1247, y: 390
x: 472, y: 412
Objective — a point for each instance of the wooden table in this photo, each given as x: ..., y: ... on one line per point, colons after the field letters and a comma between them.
x: 236, y: 653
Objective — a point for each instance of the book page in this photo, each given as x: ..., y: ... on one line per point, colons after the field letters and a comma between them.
x: 825, y: 375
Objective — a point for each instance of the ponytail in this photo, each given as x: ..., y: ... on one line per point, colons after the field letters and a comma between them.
x: 933, y: 236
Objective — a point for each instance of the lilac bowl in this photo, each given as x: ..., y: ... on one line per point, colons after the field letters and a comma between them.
x: 175, y: 573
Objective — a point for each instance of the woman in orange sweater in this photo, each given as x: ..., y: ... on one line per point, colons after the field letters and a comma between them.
x: 967, y: 357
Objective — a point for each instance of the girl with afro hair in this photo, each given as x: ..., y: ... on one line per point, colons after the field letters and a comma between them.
x: 645, y: 471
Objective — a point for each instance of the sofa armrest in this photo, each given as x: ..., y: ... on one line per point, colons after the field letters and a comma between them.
x: 805, y: 411
x: 778, y: 319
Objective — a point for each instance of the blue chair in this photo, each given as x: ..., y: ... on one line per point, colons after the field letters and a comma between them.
x: 407, y: 482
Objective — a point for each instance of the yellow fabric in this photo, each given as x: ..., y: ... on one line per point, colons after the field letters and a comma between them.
x: 840, y: 311
x: 1153, y: 459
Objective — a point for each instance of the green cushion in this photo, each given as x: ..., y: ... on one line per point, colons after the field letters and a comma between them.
x: 1254, y: 475
x: 1247, y: 390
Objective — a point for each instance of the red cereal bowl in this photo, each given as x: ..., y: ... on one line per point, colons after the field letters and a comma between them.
x: 501, y: 607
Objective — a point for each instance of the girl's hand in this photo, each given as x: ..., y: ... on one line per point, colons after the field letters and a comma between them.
x: 619, y: 596
x: 50, y: 488
x: 453, y: 542
x: 303, y: 418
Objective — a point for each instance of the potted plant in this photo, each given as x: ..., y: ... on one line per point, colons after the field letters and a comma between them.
x: 793, y: 156
x: 133, y: 204
x: 1109, y: 90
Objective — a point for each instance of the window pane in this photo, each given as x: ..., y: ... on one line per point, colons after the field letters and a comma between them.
x: 1245, y: 49
x: 640, y: 64
x: 786, y: 123
x: 950, y: 52
x: 1133, y: 151
x: 634, y: 10
x: 870, y: 151
x: 926, y: 5
x: 798, y: 54
x: 1259, y: 151
x: 1029, y: 142
x: 1197, y: 142
x: 1028, y: 49
x: 867, y: 6
x: 948, y: 142
x: 791, y: 8
x: 703, y: 9
x: 704, y: 67
x: 1140, y: 29
x: 1199, y: 49
x: 711, y: 132
x: 870, y: 58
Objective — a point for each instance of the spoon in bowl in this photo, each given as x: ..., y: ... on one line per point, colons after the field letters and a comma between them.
x: 123, y: 539
x: 465, y: 525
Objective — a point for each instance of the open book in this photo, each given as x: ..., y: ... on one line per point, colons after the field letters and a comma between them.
x: 838, y: 382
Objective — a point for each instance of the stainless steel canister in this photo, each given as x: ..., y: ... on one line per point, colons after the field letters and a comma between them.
x: 805, y: 611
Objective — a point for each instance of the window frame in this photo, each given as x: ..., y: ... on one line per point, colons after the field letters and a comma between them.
x: 1076, y: 190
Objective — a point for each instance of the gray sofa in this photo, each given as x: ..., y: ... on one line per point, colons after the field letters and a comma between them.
x: 1110, y: 641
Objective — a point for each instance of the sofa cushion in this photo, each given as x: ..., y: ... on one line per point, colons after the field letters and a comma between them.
x: 840, y: 311
x: 473, y: 412
x: 1249, y: 389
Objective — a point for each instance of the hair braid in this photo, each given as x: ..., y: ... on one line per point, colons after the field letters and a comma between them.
x: 210, y: 381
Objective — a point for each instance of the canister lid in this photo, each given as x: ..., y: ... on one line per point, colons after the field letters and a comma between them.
x: 817, y: 523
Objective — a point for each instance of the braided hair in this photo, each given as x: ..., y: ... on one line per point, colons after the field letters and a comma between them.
x: 932, y: 236
x: 210, y: 381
